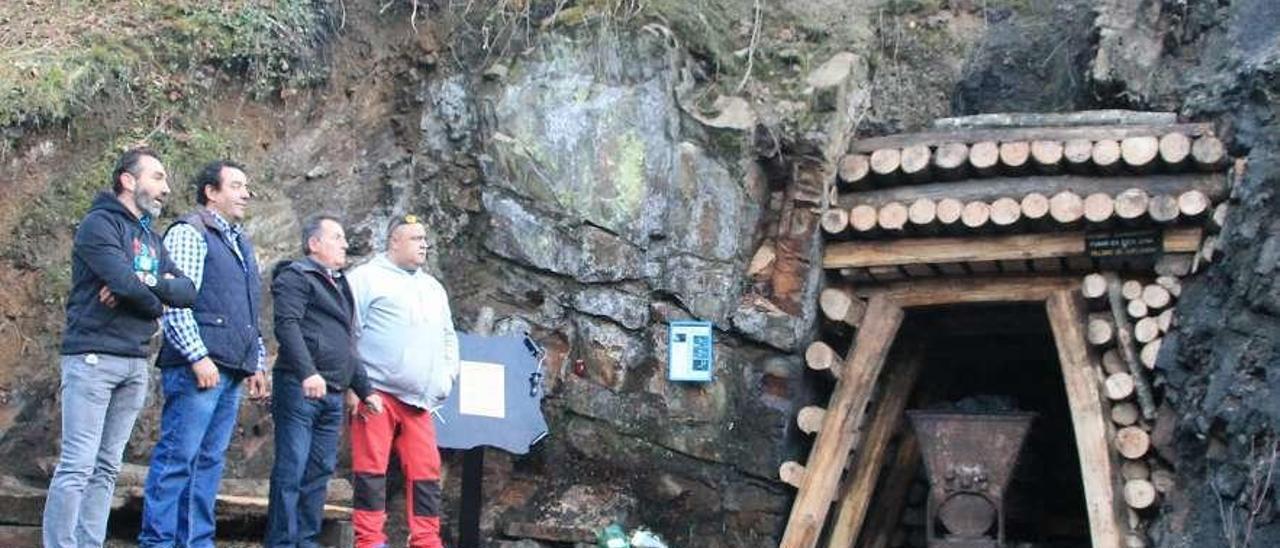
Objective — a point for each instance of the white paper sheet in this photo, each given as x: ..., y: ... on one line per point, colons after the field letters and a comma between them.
x: 481, y: 389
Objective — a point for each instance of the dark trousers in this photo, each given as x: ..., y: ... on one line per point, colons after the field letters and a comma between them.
x: 306, y: 438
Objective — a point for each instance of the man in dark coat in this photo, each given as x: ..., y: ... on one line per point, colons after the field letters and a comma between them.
x: 314, y: 325
x: 121, y: 282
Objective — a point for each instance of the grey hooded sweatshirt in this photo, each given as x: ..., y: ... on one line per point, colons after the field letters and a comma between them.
x: 406, y: 338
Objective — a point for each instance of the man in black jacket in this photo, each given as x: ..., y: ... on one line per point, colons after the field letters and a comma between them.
x: 314, y: 325
x: 121, y: 281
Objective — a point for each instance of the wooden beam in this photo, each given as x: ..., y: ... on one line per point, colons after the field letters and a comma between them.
x: 1209, y: 153
x: 933, y: 138
x: 819, y: 356
x: 854, y: 168
x: 940, y: 291
x: 839, y: 304
x: 870, y: 455
x: 1124, y: 336
x: 331, y: 511
x: 865, y: 254
x: 1110, y: 117
x: 791, y: 473
x: 1174, y: 148
x: 902, y: 471
x: 1213, y: 185
x: 1098, y: 470
x: 844, y: 412
x: 809, y: 419
x: 950, y: 159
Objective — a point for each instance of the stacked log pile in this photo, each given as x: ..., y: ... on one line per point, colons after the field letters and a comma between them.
x: 1131, y: 316
x: 994, y: 152
x: 1032, y: 202
x: 1032, y: 181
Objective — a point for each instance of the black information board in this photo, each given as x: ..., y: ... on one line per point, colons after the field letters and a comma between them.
x: 520, y: 385
x: 1124, y: 243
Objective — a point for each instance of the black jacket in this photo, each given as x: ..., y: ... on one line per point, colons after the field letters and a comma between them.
x: 112, y: 248
x: 315, y: 326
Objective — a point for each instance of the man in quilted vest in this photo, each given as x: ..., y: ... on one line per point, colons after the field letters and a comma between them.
x: 209, y: 350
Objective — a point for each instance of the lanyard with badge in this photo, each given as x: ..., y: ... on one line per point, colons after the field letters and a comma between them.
x: 145, y: 263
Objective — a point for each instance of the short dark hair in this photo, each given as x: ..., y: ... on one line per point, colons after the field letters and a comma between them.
x: 211, y: 175
x: 128, y: 163
x: 311, y: 227
x: 399, y: 221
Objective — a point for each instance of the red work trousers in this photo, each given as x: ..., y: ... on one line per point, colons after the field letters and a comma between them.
x: 412, y: 433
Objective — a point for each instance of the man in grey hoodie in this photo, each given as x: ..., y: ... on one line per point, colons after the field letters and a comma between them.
x: 407, y: 343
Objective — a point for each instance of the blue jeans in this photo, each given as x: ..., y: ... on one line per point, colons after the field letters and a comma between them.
x: 306, y: 437
x: 101, y: 398
x: 186, y: 464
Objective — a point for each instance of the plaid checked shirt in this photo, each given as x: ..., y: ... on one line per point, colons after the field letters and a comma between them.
x: 188, y: 249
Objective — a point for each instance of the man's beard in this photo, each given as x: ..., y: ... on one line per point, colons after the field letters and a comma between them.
x: 147, y: 203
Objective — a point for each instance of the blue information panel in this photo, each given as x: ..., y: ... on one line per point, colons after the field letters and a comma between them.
x: 497, y: 400
x: 690, y: 351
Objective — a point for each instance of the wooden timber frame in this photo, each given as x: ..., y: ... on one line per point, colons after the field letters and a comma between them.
x: 976, y: 212
x: 886, y: 309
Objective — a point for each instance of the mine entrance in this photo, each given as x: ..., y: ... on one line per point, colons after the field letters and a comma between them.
x: 991, y: 359
x: 1036, y: 261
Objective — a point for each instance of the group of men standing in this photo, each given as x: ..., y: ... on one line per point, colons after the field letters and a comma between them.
x: 381, y: 338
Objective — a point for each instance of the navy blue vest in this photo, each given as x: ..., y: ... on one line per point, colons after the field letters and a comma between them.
x: 226, y: 308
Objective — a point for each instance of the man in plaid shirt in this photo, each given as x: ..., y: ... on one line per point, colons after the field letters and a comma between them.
x: 208, y: 351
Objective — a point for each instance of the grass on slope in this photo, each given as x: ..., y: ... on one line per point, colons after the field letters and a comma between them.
x: 56, y: 56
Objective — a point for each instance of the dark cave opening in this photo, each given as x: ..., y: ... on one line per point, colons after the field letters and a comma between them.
x: 995, y: 359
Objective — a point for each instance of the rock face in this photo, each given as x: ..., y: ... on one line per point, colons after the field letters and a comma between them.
x: 605, y: 188
x: 597, y: 177
x: 1220, y: 370
x: 1130, y: 46
x: 1034, y: 57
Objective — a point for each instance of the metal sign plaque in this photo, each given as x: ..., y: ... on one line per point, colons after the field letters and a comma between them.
x: 1124, y: 243
x: 690, y: 351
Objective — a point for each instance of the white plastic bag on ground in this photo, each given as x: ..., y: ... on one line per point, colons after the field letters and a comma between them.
x: 643, y: 538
